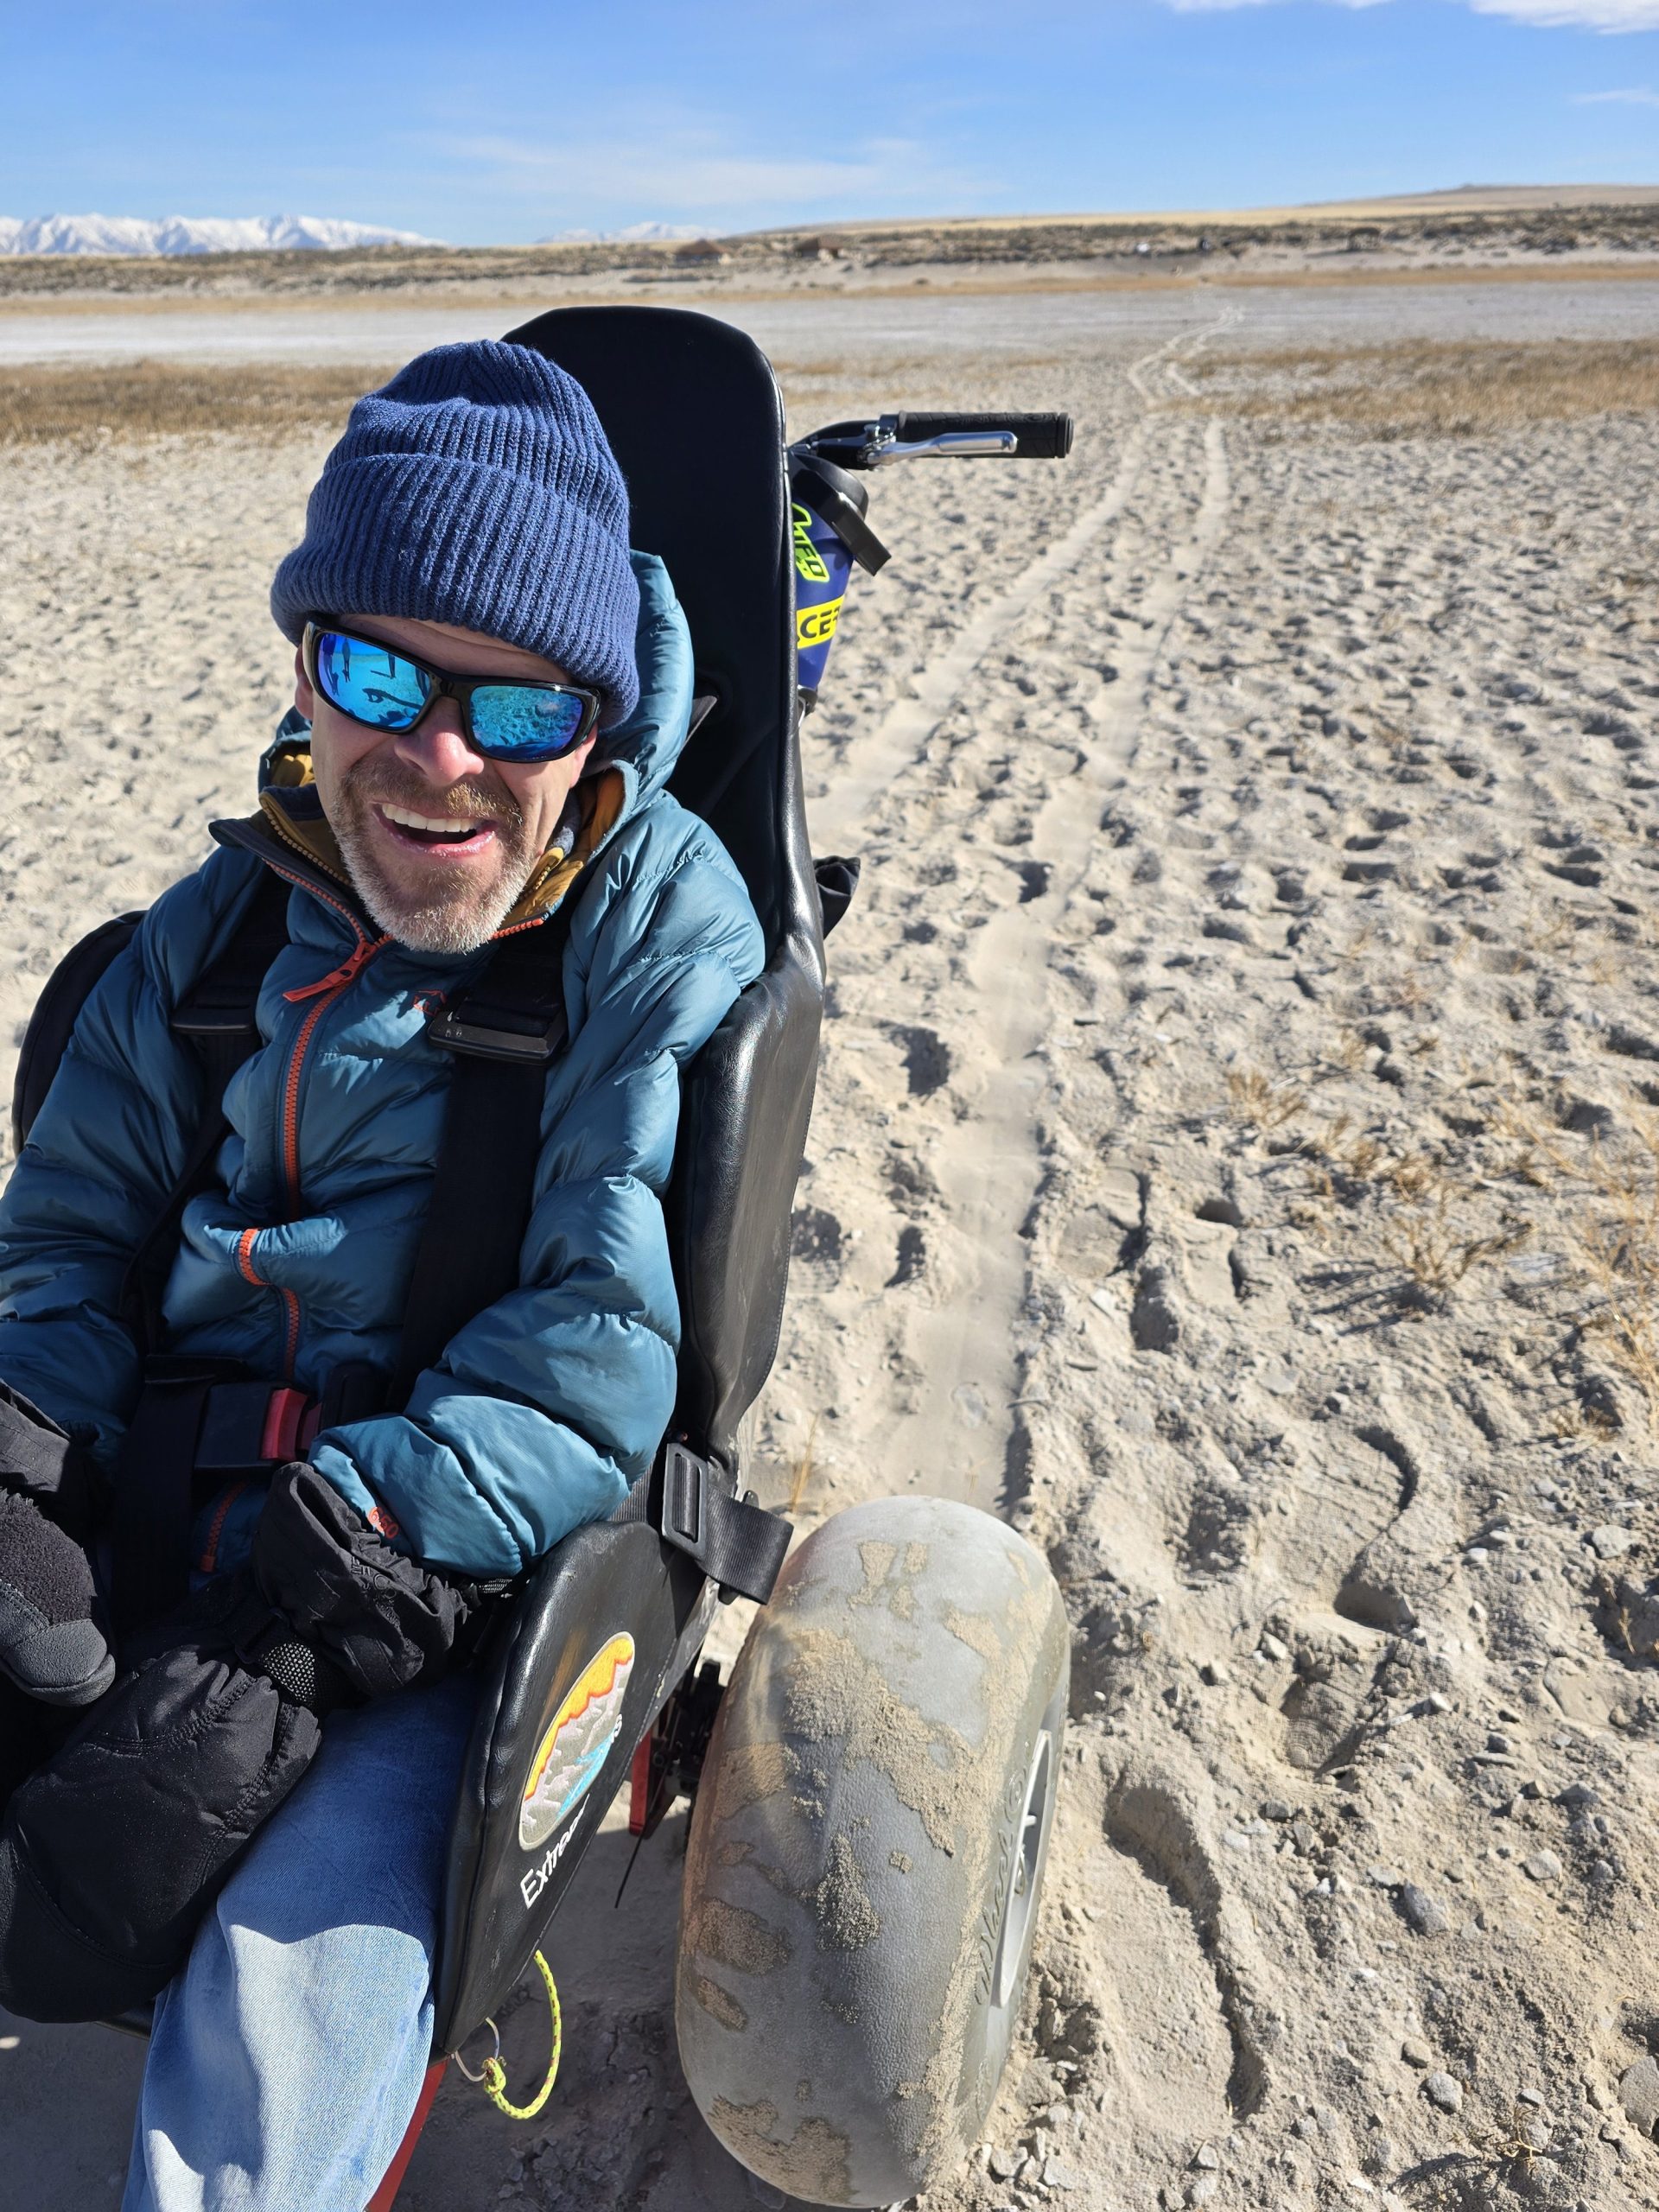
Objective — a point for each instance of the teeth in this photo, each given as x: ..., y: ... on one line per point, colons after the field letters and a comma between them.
x: 443, y: 825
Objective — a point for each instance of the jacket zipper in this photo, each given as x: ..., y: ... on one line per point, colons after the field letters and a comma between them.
x: 324, y: 993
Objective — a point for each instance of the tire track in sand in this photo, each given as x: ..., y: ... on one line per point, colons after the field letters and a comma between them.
x: 957, y: 1434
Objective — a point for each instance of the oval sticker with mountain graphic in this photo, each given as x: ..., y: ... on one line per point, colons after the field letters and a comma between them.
x: 574, y: 1748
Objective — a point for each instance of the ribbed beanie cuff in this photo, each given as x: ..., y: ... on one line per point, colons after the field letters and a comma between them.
x: 477, y: 488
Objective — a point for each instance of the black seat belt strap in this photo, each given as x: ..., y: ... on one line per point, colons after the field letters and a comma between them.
x: 153, y: 1499
x: 504, y: 1031
x: 691, y: 1502
x: 217, y: 1017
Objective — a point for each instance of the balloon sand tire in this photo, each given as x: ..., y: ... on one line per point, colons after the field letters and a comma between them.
x: 867, y: 1851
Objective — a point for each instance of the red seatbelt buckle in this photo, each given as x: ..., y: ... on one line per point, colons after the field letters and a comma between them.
x: 290, y: 1425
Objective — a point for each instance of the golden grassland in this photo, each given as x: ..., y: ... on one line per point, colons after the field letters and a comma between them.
x: 1414, y: 389
x: 91, y: 403
x: 85, y: 403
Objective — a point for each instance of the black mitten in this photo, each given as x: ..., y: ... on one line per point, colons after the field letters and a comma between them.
x: 53, y: 1640
x: 379, y: 1617
x: 110, y: 1853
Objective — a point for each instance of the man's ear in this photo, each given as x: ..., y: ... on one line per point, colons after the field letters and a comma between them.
x: 305, y: 699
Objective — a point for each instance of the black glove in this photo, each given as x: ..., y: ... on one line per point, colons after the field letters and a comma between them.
x: 375, y: 1615
x: 110, y: 1853
x: 54, y: 1644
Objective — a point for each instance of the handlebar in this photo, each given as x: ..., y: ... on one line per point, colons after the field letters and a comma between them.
x: 1037, y: 437
x: 955, y: 437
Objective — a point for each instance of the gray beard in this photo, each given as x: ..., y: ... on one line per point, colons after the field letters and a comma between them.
x: 462, y: 921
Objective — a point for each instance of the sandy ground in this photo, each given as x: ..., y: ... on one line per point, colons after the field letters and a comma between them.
x: 1234, y: 1161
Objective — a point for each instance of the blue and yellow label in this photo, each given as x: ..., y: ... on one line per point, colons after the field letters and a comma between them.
x: 815, y: 625
x: 809, y: 562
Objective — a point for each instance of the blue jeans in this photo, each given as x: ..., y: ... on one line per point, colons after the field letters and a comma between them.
x: 287, y: 2056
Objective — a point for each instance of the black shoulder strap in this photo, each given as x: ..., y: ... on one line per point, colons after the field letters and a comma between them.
x: 504, y: 1031
x: 56, y: 1011
x: 217, y: 1017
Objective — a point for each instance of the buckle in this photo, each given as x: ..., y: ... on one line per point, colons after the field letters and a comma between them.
x: 291, y: 1421
x: 251, y: 1425
x: 500, y: 1033
x: 682, y: 1506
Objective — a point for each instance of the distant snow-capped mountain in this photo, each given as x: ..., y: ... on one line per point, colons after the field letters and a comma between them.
x: 634, y: 234
x: 192, y: 234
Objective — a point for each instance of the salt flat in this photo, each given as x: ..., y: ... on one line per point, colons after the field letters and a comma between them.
x: 1235, y: 1160
x: 813, y: 325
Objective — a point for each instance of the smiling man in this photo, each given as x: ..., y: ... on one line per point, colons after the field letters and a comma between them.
x: 491, y: 689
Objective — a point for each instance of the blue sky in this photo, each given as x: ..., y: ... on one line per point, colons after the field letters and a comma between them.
x: 485, y: 120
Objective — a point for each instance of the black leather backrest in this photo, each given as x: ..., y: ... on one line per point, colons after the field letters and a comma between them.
x: 694, y: 416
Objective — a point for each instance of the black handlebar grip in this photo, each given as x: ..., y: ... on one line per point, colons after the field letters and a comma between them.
x: 1042, y: 437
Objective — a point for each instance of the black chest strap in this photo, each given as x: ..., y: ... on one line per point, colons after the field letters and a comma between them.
x: 506, y: 1030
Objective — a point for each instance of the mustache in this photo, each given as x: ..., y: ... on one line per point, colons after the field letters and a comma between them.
x: 386, y: 782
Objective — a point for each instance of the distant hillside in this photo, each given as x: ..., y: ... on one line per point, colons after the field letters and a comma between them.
x: 187, y: 234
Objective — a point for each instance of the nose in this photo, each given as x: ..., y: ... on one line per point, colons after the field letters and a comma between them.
x: 438, y: 747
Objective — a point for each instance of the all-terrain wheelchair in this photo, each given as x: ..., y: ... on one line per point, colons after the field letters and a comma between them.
x: 874, y: 1788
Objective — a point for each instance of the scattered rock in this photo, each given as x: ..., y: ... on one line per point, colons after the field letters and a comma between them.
x: 1274, y: 1808
x: 1273, y: 1647
x: 1202, y: 2187
x: 1638, y: 2091
x: 1206, y: 2157
x: 1386, y: 1877
x: 1543, y: 1866
x: 1423, y: 1914
x: 1443, y: 2091
x: 1416, y: 2052
x: 1609, y: 1540
x: 1004, y: 2164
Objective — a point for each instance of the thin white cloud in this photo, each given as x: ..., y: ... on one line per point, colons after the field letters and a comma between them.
x: 1576, y: 15
x: 1554, y: 15
x: 689, y: 170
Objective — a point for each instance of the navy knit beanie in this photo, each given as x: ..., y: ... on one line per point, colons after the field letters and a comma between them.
x: 477, y: 488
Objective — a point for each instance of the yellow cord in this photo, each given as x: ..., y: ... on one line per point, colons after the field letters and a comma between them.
x: 495, y: 2075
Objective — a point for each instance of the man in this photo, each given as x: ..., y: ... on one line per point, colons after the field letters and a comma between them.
x: 491, y: 692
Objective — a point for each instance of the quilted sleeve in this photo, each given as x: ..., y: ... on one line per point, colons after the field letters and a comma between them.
x: 105, y: 1150
x: 546, y: 1407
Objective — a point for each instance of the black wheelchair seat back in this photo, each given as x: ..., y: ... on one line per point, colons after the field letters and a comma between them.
x: 693, y: 412
x: 694, y: 415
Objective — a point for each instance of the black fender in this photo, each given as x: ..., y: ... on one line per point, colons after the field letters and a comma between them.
x: 510, y: 1864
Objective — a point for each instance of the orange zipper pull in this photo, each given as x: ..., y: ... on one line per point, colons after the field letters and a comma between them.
x: 347, y: 973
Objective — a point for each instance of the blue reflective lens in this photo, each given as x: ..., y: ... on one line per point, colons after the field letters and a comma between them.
x: 369, y: 683
x: 521, y: 721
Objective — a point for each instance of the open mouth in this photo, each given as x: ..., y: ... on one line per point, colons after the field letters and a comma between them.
x: 458, y: 835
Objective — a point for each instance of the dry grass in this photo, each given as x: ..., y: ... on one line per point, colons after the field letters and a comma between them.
x: 1256, y: 1102
x: 152, y: 399
x: 1425, y: 1244
x: 804, y: 1471
x: 1615, y: 1236
x: 1416, y: 389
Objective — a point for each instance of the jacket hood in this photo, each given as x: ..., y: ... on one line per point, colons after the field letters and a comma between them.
x: 628, y: 766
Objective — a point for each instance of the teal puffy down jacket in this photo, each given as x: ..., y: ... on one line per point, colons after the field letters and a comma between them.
x: 545, y: 1407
